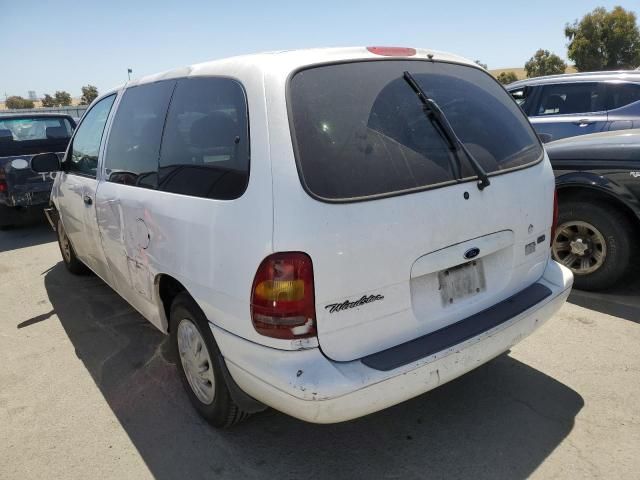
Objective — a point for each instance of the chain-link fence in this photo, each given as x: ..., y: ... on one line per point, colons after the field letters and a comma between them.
x: 74, y: 111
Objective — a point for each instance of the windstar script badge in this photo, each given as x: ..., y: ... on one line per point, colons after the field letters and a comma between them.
x: 338, y: 307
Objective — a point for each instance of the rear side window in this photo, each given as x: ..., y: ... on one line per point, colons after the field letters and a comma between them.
x: 360, y: 131
x: 205, y: 148
x: 570, y: 98
x: 622, y: 94
x: 134, y: 141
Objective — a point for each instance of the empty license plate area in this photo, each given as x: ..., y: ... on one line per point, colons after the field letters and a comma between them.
x: 461, y: 282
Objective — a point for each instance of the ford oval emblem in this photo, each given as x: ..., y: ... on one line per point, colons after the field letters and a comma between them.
x: 472, y: 253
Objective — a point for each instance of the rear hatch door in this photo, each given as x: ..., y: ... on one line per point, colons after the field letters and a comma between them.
x: 403, y: 242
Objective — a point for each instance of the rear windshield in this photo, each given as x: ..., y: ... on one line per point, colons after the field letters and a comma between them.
x: 26, y: 129
x: 360, y: 131
x: 30, y: 135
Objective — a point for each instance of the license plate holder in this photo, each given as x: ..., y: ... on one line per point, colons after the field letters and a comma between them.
x: 461, y: 282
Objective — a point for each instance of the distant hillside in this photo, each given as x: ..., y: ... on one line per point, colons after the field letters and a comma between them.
x: 521, y: 73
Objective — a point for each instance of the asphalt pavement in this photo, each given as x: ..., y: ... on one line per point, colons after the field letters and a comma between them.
x: 87, y: 391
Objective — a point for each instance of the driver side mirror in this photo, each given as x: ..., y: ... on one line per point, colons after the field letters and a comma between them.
x: 45, y: 162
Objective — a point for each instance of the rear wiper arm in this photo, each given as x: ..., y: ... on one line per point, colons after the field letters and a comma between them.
x: 435, y: 114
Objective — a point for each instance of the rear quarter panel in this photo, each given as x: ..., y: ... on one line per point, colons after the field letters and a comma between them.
x: 620, y: 180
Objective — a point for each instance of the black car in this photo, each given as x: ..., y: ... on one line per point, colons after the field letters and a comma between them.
x: 24, y: 192
x: 598, y: 183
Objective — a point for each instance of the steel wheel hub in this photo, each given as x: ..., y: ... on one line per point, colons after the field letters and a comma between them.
x: 579, y: 246
x: 196, y: 361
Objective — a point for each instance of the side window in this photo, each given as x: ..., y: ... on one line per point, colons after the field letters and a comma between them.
x: 622, y: 94
x: 205, y: 147
x: 134, y: 142
x: 562, y: 99
x: 83, y: 157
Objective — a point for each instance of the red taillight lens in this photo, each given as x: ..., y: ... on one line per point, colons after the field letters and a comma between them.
x: 3, y: 186
x: 554, y: 223
x: 282, y: 297
x: 393, y: 51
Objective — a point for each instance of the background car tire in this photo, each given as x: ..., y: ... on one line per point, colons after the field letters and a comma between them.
x: 616, y: 229
x: 222, y: 411
x: 71, y: 261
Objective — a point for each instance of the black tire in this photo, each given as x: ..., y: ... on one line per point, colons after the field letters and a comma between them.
x: 222, y: 411
x: 69, y: 258
x: 7, y: 218
x: 616, y: 229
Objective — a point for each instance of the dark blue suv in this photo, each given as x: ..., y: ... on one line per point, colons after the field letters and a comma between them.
x: 562, y: 106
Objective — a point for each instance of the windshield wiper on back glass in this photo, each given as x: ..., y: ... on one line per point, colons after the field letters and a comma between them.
x: 436, y: 115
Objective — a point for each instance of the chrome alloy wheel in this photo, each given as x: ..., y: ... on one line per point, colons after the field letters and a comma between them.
x: 65, y: 246
x: 579, y: 246
x: 196, y: 361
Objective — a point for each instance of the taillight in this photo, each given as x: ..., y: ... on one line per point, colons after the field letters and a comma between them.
x: 282, y: 297
x: 392, y: 51
x: 554, y: 223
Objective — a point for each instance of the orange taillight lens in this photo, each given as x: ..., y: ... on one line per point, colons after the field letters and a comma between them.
x: 282, y: 297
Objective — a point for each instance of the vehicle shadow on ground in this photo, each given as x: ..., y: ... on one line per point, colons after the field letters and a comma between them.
x: 34, y: 233
x: 499, y: 421
x: 621, y: 301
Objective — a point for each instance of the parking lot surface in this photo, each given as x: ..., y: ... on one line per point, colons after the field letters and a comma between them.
x: 86, y: 391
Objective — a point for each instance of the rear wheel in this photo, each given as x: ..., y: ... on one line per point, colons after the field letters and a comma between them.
x: 594, y: 241
x: 71, y: 261
x: 200, y: 364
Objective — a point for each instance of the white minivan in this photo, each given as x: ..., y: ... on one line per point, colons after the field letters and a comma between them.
x: 326, y: 232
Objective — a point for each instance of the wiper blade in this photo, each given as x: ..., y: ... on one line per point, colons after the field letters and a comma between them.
x: 435, y: 114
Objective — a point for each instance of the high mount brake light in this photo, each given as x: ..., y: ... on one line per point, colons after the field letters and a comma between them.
x: 282, y: 297
x: 392, y: 51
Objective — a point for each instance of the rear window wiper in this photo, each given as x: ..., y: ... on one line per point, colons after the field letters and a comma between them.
x: 435, y: 114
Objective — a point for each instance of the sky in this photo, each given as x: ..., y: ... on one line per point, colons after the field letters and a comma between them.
x: 64, y: 44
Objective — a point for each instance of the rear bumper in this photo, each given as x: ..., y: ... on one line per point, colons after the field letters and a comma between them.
x: 28, y: 199
x: 20, y: 214
x: 307, y: 385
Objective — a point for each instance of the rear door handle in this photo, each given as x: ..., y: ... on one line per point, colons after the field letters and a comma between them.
x: 87, y: 200
x: 584, y: 122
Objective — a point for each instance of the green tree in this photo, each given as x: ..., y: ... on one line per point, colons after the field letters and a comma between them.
x: 507, y: 77
x: 16, y: 101
x: 604, y: 40
x: 62, y: 98
x: 89, y: 94
x: 48, y: 101
x: 483, y: 65
x: 544, y: 62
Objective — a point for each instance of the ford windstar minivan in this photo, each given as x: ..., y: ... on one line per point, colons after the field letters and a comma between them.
x: 327, y: 232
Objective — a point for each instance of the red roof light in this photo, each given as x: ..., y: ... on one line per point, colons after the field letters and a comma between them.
x: 392, y: 51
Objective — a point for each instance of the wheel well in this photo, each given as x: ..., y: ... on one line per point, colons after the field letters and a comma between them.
x: 168, y: 289
x: 591, y: 195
